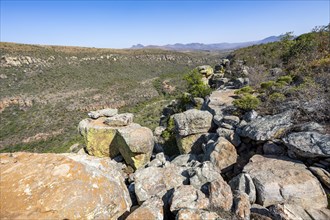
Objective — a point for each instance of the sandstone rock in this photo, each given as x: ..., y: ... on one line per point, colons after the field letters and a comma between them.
x: 241, y: 205
x: 282, y: 180
x: 108, y: 112
x: 186, y: 196
x: 244, y: 183
x: 222, y: 154
x: 270, y: 148
x: 192, y: 122
x: 152, y: 181
x: 150, y: 209
x: 196, y: 214
x: 322, y: 175
x: 221, y: 196
x: 61, y: 186
x: 268, y: 127
x: 308, y: 144
x: 119, y: 120
x: 98, y: 138
x: 135, y: 144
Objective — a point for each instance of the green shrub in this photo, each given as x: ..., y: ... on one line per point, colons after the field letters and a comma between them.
x: 267, y: 85
x: 287, y: 79
x: 247, y: 102
x: 169, y: 131
x: 245, y: 89
x: 196, y: 87
x: 277, y: 97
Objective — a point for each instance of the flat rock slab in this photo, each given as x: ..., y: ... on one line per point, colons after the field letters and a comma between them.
x: 283, y: 180
x: 61, y: 186
x: 268, y: 127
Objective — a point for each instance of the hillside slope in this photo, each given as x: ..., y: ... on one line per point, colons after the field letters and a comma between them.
x: 45, y: 90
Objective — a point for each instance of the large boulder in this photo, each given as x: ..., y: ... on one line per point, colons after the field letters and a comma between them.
x: 308, y: 144
x: 189, y: 128
x: 98, y: 137
x: 133, y: 142
x: 268, y: 127
x: 192, y: 121
x: 156, y: 181
x: 61, y: 186
x: 150, y: 209
x: 282, y: 180
x: 222, y: 154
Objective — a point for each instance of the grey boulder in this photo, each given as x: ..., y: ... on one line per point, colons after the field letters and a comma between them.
x: 308, y: 144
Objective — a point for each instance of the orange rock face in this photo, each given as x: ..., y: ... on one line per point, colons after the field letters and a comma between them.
x: 61, y: 186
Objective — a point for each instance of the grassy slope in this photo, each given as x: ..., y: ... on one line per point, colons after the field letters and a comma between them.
x: 66, y: 88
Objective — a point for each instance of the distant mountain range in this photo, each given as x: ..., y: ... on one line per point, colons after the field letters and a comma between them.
x: 209, y: 47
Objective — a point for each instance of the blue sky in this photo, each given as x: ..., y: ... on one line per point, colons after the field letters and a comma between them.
x: 120, y: 24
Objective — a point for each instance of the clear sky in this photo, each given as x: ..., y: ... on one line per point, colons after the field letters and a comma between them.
x: 120, y: 24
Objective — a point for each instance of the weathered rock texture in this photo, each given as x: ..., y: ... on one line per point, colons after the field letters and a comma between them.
x: 61, y: 186
x: 156, y: 181
x: 189, y: 127
x: 281, y: 180
x: 150, y: 209
x: 268, y: 127
x: 308, y: 144
x: 222, y: 154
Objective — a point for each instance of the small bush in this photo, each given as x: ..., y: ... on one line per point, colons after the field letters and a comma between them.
x: 277, y: 97
x: 287, y: 79
x: 245, y: 89
x: 247, y: 102
x: 267, y: 85
x: 196, y: 87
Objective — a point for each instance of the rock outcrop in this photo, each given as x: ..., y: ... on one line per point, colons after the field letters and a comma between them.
x: 111, y: 136
x: 61, y: 186
x: 283, y: 180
